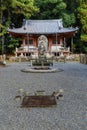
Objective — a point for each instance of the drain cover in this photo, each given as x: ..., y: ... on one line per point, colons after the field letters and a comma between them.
x: 38, y: 101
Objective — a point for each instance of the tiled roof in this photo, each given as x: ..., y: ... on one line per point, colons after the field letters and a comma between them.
x: 42, y: 27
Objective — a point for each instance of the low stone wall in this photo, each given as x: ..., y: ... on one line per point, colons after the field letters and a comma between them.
x: 83, y: 58
x: 18, y: 59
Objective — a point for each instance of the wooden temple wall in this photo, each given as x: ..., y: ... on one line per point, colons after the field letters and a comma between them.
x: 50, y: 38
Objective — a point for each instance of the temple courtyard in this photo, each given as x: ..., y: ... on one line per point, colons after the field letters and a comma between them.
x: 70, y: 113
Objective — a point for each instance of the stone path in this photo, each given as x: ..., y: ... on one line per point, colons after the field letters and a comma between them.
x: 70, y: 112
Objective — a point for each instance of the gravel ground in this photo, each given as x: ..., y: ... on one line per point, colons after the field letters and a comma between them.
x: 70, y: 112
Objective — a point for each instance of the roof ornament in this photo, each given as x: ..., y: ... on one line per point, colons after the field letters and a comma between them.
x: 12, y: 25
x: 60, y: 24
x: 25, y: 24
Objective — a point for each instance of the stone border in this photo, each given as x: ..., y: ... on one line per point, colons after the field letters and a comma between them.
x: 32, y: 70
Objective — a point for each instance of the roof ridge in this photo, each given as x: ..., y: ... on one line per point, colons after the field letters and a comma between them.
x: 49, y: 20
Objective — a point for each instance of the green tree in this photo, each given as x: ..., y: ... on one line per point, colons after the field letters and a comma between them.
x: 2, y: 27
x: 73, y: 8
x: 82, y: 15
x: 14, y: 8
x: 70, y: 15
x: 55, y: 9
x: 11, y: 44
x: 49, y: 9
x: 18, y: 9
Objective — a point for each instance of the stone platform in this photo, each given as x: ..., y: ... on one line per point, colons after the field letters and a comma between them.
x: 41, y: 70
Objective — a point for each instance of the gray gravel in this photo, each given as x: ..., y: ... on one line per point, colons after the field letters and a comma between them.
x: 70, y: 112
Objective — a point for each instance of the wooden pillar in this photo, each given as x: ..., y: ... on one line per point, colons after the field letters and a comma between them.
x: 72, y: 44
x: 28, y: 42
x: 2, y: 40
x: 49, y: 44
x: 64, y: 42
x: 23, y: 40
x: 56, y: 43
x: 34, y: 41
x: 61, y: 41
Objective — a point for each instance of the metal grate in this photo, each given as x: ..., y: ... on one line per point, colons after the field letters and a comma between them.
x: 39, y: 101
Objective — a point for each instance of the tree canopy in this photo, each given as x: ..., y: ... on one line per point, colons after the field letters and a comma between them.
x: 82, y: 15
x: 49, y: 9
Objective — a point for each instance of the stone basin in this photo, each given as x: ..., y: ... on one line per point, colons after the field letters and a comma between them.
x: 40, y: 69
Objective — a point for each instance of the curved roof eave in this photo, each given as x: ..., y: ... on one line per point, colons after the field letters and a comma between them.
x: 21, y: 31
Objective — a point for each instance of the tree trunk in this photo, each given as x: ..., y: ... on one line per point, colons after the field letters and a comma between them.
x: 1, y: 22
